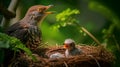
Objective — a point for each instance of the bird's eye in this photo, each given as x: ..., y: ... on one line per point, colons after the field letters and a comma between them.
x: 33, y: 15
x: 43, y: 8
x: 39, y: 9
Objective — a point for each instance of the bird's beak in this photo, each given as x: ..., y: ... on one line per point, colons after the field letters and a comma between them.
x: 65, y: 46
x: 47, y: 7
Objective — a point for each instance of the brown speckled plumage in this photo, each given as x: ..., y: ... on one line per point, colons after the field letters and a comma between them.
x: 27, y: 28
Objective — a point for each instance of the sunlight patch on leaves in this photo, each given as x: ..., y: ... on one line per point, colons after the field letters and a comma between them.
x: 63, y: 16
x: 66, y: 18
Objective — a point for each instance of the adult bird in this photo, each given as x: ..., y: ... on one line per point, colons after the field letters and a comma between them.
x: 71, y: 49
x: 27, y: 28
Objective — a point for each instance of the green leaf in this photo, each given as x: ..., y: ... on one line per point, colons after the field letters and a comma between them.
x: 4, y: 44
x: 14, y: 44
x: 65, y: 17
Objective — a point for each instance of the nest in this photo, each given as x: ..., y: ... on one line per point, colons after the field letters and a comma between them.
x: 92, y: 57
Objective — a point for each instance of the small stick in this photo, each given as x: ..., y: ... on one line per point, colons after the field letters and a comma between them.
x: 65, y: 64
x: 88, y: 33
x: 95, y: 60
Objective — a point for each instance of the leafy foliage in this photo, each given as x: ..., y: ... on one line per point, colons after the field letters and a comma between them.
x: 13, y: 44
x: 111, y: 34
x: 109, y: 14
x: 65, y: 18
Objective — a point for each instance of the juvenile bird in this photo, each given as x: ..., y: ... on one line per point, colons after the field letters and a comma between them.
x: 27, y: 28
x: 56, y: 56
x: 71, y: 49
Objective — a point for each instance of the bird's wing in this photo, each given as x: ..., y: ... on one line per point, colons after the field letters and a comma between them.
x: 18, y: 30
x: 12, y: 28
x: 15, y: 27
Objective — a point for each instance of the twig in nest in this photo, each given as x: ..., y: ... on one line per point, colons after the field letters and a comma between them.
x: 65, y: 64
x: 95, y: 60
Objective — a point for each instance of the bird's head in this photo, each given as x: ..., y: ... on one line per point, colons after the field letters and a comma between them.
x: 69, y: 44
x: 38, y: 12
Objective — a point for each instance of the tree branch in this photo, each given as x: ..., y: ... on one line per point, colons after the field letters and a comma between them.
x: 12, y: 9
x: 7, y: 14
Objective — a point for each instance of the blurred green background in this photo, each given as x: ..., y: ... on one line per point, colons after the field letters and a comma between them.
x: 100, y: 17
